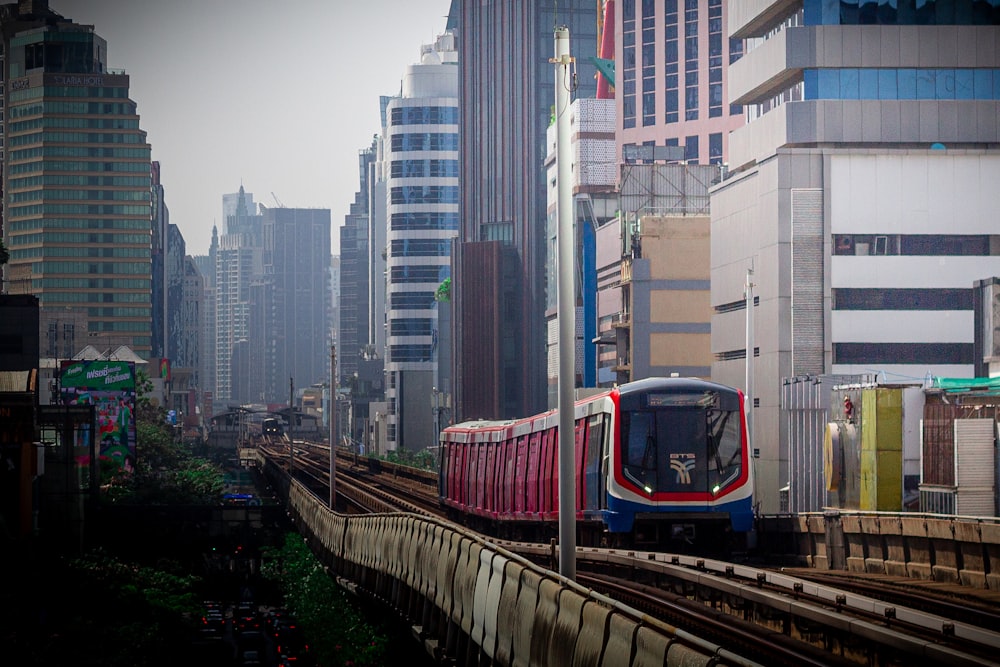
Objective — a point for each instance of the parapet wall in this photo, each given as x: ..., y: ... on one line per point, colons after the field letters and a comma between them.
x: 469, y: 600
x: 959, y: 550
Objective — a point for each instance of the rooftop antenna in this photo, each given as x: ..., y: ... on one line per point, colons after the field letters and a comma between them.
x: 277, y: 201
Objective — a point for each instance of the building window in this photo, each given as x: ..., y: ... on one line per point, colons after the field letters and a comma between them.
x: 671, y: 60
x: 691, y: 149
x: 715, y: 58
x: 691, y: 67
x: 924, y: 12
x: 901, y: 299
x: 902, y: 84
x: 424, y: 116
x: 917, y: 354
x: 628, y: 64
x: 938, y: 245
x: 715, y: 148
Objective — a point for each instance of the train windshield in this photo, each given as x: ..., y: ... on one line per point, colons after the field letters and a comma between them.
x: 687, y: 444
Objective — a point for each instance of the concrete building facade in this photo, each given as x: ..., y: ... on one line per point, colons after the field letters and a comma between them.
x: 595, y: 196
x: 861, y: 195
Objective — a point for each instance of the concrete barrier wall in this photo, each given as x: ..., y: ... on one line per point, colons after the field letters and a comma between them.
x: 468, y: 600
x: 962, y: 550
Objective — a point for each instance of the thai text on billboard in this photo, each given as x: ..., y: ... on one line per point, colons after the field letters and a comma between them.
x: 110, y: 387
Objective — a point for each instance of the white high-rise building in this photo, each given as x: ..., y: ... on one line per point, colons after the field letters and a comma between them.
x: 419, y: 169
x: 238, y: 261
x: 862, y: 193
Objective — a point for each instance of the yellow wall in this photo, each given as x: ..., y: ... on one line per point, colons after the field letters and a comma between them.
x: 882, y: 449
x: 680, y: 306
x: 671, y: 349
x: 678, y: 248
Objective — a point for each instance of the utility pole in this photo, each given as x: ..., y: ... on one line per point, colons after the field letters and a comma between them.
x: 748, y: 294
x: 566, y: 307
x: 333, y: 427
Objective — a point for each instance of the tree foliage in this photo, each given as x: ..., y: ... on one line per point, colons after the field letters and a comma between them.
x: 119, y: 614
x: 337, y: 632
x: 423, y: 459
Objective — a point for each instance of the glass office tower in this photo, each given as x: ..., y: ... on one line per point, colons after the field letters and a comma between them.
x: 77, y: 212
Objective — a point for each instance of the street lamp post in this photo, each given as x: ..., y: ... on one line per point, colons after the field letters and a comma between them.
x: 566, y: 305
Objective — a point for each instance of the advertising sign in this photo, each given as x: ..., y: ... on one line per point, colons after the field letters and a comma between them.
x: 110, y: 387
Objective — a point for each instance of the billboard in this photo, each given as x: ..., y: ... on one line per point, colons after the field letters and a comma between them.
x: 110, y: 387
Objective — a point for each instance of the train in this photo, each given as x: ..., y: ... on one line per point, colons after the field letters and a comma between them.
x: 659, y: 461
x: 271, y: 427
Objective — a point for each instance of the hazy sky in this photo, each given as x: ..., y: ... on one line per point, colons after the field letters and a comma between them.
x: 279, y: 95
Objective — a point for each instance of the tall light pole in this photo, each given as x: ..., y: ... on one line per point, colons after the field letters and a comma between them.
x: 748, y: 294
x: 566, y: 306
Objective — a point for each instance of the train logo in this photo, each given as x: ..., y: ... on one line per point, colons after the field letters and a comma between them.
x: 682, y: 464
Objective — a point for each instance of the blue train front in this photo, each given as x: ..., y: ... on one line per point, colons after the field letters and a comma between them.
x: 680, y: 462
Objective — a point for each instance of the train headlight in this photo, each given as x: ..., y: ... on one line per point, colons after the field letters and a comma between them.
x: 715, y: 489
x: 647, y: 489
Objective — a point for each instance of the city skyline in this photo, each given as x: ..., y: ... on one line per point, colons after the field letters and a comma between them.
x: 207, y: 149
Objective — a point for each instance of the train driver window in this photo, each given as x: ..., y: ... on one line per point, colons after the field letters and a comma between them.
x: 640, y: 449
x: 725, y: 463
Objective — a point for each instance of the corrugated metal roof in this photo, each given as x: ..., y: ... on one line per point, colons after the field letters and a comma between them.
x: 991, y: 385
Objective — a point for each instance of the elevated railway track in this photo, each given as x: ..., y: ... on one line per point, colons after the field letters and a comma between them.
x: 749, y: 614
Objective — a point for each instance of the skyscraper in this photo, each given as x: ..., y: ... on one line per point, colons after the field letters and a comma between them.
x: 355, y: 311
x: 419, y: 166
x: 297, y: 276
x: 359, y: 363
x: 862, y: 195
x: 238, y: 262
x: 76, y: 176
x: 206, y: 267
x: 506, y: 95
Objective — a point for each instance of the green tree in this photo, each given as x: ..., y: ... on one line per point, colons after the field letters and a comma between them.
x: 336, y: 630
x: 121, y: 614
x: 4, y: 254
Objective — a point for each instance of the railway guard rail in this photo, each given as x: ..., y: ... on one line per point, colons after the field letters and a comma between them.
x: 943, y: 548
x: 466, y: 598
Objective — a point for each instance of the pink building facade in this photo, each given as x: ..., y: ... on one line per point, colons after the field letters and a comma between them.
x: 671, y: 62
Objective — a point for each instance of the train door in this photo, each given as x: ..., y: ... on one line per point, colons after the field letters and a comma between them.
x: 520, y: 475
x: 471, y: 467
x: 489, y: 478
x: 593, y: 473
x: 580, y: 442
x: 500, y: 471
x: 549, y: 479
x: 480, y: 475
x: 534, y: 473
x: 458, y: 478
x: 507, y: 475
x: 445, y: 476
